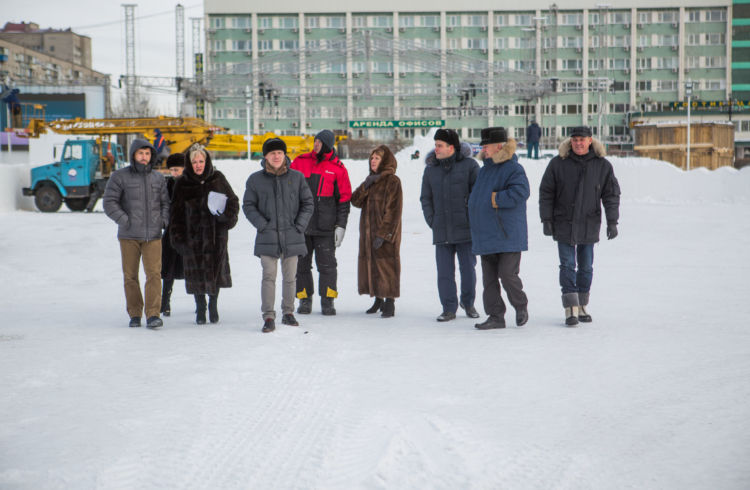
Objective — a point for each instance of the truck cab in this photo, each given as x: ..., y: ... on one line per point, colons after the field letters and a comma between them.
x: 78, y: 178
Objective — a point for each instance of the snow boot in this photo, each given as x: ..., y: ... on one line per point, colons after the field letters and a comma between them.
x: 522, y: 316
x: 376, y: 306
x: 135, y: 322
x: 471, y: 312
x: 389, y: 308
x: 305, y: 306
x: 583, y: 301
x: 446, y: 316
x: 490, y: 323
x: 570, y: 303
x: 288, y: 319
x: 200, y: 309
x: 326, y: 306
x: 269, y: 325
x: 213, y: 308
x: 166, y: 294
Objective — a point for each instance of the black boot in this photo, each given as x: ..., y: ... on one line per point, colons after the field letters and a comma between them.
x: 326, y: 306
x: 389, y: 308
x: 166, y: 294
x: 200, y: 309
x: 213, y: 309
x: 376, y: 306
x: 268, y: 325
x: 490, y: 323
x: 305, y: 306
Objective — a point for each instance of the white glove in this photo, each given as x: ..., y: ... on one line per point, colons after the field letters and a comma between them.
x: 338, y: 235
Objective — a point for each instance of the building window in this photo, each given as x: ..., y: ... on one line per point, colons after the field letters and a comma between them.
x: 526, y: 43
x: 694, y: 39
x: 217, y: 22
x: 572, y: 42
x: 383, y: 21
x: 265, y: 45
x: 523, y: 20
x: 667, y: 17
x: 716, y: 15
x: 406, y: 21
x: 430, y: 21
x: 265, y: 22
x: 289, y: 45
x: 716, y: 61
x: 571, y: 19
x: 500, y: 20
x: 644, y: 17
x: 644, y: 41
x: 335, y: 22
x: 619, y: 17
x: 240, y: 22
x: 693, y: 16
x: 715, y: 39
x: 669, y: 40
x: 477, y: 20
x: 240, y: 45
x: 289, y: 22
x: 312, y: 22
x: 453, y: 20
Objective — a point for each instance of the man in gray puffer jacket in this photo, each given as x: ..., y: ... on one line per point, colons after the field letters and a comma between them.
x: 136, y: 199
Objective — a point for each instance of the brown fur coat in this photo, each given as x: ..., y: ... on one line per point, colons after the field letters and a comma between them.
x: 379, y: 271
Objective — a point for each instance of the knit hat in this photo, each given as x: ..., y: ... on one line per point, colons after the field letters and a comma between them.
x: 327, y: 138
x: 581, y: 131
x: 450, y: 136
x: 176, y: 160
x: 273, y: 144
x: 494, y: 135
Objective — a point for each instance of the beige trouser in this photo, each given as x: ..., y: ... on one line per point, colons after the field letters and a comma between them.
x: 268, y: 285
x: 131, y: 251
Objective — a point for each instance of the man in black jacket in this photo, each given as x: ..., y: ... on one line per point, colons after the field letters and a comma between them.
x: 448, y: 178
x: 575, y: 185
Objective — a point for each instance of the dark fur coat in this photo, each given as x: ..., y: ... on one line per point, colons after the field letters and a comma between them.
x: 199, y: 236
x: 379, y: 271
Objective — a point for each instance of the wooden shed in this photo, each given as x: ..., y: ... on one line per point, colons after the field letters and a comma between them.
x: 711, y: 143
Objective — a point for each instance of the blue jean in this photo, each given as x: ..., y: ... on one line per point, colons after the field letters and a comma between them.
x: 572, y: 280
x: 534, y: 145
x: 445, y: 256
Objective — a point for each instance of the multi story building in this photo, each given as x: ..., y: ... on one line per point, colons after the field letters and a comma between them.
x: 64, y: 45
x: 393, y: 68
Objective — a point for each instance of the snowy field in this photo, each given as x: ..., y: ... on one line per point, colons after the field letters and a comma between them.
x: 655, y: 393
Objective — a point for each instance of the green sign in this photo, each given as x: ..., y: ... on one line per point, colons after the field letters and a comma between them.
x: 421, y: 123
x: 703, y: 104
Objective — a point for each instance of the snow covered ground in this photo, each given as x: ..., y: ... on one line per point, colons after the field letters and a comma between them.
x: 655, y: 393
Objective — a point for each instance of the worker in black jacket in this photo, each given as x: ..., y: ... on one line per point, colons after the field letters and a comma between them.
x: 574, y: 187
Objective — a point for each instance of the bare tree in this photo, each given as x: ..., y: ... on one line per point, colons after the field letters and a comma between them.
x: 142, y: 107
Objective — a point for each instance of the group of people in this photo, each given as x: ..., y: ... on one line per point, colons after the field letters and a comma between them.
x: 179, y: 225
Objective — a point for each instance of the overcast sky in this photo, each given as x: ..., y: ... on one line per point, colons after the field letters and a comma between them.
x: 103, y: 22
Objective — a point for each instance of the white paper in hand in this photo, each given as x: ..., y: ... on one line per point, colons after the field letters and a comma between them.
x: 217, y: 202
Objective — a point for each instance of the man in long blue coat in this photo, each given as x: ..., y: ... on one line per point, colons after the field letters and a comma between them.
x: 497, y: 213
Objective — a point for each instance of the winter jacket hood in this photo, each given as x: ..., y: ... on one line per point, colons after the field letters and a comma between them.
x: 505, y: 153
x: 284, y: 168
x: 388, y: 163
x: 136, y: 145
x: 432, y: 160
x: 597, y: 147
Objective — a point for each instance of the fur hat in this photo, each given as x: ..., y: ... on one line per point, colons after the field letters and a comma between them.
x: 450, y: 136
x: 176, y: 160
x: 273, y: 144
x: 327, y: 138
x: 581, y: 131
x: 494, y: 135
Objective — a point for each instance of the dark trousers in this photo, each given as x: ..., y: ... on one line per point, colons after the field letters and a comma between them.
x: 576, y: 267
x: 534, y: 145
x: 324, y: 249
x: 503, y: 266
x: 445, y: 256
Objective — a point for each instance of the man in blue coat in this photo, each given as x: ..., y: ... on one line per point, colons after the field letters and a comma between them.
x: 448, y: 177
x: 497, y: 212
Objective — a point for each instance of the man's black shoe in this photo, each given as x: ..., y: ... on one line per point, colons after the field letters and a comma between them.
x: 522, y: 316
x: 269, y: 325
x: 135, y: 322
x: 446, y: 316
x: 326, y: 306
x: 490, y: 323
x: 154, y: 322
x: 288, y: 319
x: 471, y: 312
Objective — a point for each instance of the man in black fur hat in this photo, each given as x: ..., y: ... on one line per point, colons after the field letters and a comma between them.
x: 449, y: 176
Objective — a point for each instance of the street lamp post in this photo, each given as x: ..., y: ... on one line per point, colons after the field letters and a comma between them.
x: 689, y: 93
x: 249, y: 103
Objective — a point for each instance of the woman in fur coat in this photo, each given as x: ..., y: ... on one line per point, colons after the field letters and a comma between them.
x: 199, y: 225
x: 379, y: 263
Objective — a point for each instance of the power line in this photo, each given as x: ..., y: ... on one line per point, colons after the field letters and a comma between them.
x: 119, y: 21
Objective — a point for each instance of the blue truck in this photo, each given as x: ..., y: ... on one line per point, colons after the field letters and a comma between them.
x: 78, y: 178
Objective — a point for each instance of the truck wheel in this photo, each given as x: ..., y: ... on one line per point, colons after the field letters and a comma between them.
x: 47, y: 199
x: 76, y: 203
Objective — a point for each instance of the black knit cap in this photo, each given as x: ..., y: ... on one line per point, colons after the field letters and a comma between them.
x: 494, y: 135
x: 450, y: 136
x: 273, y: 144
x: 581, y: 131
x: 327, y: 138
x: 176, y: 160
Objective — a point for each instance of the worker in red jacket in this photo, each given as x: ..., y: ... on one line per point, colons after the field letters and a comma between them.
x: 332, y: 191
